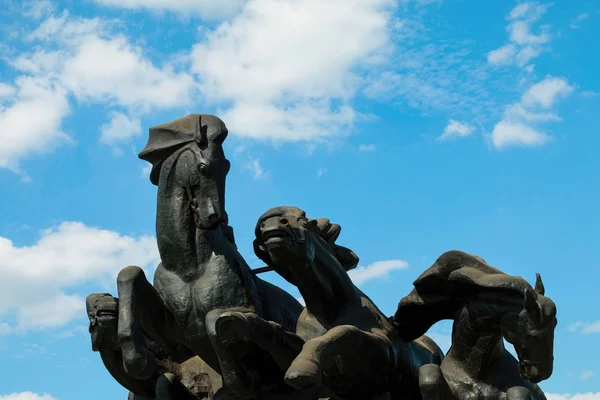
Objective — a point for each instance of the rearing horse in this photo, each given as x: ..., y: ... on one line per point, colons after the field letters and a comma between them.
x: 201, y: 275
x: 486, y: 306
x: 343, y: 341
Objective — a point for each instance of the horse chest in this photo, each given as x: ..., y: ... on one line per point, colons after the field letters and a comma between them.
x: 174, y: 292
x: 221, y: 286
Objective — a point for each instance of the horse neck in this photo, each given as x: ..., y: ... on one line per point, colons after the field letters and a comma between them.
x: 180, y: 242
x: 324, y: 284
x: 476, y: 332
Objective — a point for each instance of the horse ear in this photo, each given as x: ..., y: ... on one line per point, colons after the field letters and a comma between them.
x: 539, y: 285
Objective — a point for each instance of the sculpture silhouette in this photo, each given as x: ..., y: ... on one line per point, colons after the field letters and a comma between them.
x: 351, y: 348
x: 486, y: 305
x: 201, y: 276
x: 208, y: 320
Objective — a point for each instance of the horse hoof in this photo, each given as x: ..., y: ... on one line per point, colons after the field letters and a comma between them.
x: 138, y: 365
x: 303, y: 373
x: 232, y: 327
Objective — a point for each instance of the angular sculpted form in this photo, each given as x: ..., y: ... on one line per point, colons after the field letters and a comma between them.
x: 486, y: 306
x: 351, y: 348
x: 209, y: 328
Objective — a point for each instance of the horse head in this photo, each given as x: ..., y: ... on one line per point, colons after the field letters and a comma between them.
x: 531, y: 332
x: 188, y: 158
x: 284, y: 239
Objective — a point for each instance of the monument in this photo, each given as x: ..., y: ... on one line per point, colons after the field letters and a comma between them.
x: 209, y: 328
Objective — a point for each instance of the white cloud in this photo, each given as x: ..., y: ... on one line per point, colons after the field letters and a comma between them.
x: 519, y: 33
x: 585, y: 327
x: 120, y: 128
x: 35, y: 280
x: 576, y: 396
x: 114, y: 70
x: 282, y: 85
x: 528, y: 10
x: 545, y: 93
x: 585, y: 375
x: 518, y: 112
x: 26, y: 396
x: 523, y: 45
x: 207, y: 9
x: 508, y: 134
x: 518, y: 125
x: 30, y: 123
x: 502, y: 56
x: 456, y: 129
x: 254, y: 166
x: 78, y: 57
x: 379, y: 269
x: 526, y: 54
x: 38, y: 8
x: 364, y: 148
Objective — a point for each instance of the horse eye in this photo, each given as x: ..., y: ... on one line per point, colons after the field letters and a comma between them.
x: 202, y: 169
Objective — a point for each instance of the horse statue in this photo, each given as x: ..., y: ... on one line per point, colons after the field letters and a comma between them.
x: 343, y: 342
x: 201, y: 276
x: 191, y: 380
x: 487, y: 306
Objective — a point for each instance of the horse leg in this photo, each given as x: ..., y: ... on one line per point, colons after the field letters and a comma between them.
x: 283, y: 346
x: 141, y: 311
x: 432, y: 384
x: 344, y: 351
x: 237, y: 379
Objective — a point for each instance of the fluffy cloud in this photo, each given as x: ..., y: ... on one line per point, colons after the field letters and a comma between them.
x: 456, y: 129
x: 31, y: 119
x: 523, y: 45
x: 35, y: 280
x: 518, y: 125
x: 545, y: 93
x: 281, y: 65
x: 377, y: 270
x: 206, y: 9
x: 120, y: 128
x: 81, y: 58
x: 506, y: 134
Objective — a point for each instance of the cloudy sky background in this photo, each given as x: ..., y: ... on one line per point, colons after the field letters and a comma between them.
x: 418, y: 125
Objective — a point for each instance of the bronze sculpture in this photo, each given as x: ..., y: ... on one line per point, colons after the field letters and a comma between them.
x: 208, y: 327
x: 486, y: 305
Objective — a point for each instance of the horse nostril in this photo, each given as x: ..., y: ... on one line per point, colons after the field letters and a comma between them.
x: 284, y: 221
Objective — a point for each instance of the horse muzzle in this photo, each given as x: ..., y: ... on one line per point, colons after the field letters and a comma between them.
x: 536, y: 372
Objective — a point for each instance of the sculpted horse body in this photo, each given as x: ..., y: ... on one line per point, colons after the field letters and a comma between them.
x: 343, y: 341
x: 202, y: 276
x: 192, y: 379
x: 487, y: 306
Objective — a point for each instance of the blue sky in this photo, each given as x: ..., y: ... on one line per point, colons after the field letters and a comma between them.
x: 420, y: 126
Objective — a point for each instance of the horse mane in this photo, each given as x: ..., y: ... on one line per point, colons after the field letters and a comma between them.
x: 445, y: 287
